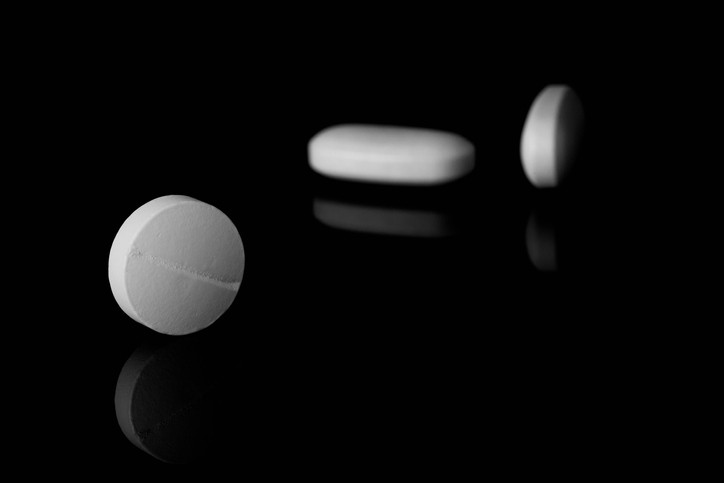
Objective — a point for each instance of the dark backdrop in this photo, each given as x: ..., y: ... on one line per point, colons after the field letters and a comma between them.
x: 346, y: 350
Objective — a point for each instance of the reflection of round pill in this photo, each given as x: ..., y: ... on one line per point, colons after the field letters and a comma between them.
x: 390, y: 154
x: 165, y: 402
x: 551, y: 136
x: 176, y: 264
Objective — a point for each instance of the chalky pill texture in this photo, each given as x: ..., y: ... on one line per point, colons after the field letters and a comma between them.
x: 551, y: 136
x: 390, y: 154
x: 176, y: 264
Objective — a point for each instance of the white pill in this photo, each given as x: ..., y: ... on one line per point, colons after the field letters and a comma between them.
x: 551, y: 136
x: 176, y: 264
x: 390, y: 154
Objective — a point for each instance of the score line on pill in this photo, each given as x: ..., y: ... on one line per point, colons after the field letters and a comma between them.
x: 176, y: 264
x: 390, y: 154
x: 551, y: 136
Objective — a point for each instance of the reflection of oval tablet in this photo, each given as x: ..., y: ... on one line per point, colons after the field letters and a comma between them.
x: 382, y: 220
x: 164, y: 401
x: 551, y: 136
x: 176, y: 264
x: 390, y: 154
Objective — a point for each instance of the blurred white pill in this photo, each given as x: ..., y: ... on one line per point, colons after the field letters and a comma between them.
x: 551, y: 136
x: 390, y: 154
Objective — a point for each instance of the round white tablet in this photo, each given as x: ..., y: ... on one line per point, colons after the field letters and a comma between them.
x: 390, y: 154
x: 551, y: 136
x: 176, y: 264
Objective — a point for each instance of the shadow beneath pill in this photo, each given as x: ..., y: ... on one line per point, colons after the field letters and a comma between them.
x: 382, y: 220
x: 402, y: 244
x: 165, y: 399
x: 541, y: 238
x: 389, y: 211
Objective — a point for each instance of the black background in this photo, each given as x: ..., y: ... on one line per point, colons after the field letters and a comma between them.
x: 347, y: 352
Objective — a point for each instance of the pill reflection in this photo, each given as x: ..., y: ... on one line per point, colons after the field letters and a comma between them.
x: 383, y: 220
x: 165, y: 400
x: 540, y: 239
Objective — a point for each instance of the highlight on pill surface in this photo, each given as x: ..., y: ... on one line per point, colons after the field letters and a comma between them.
x: 381, y: 220
x: 165, y: 400
x: 552, y: 135
x: 541, y: 242
x: 390, y: 154
x: 176, y: 264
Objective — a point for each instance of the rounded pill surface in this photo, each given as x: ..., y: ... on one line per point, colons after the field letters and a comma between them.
x: 176, y: 264
x: 390, y: 154
x: 551, y: 136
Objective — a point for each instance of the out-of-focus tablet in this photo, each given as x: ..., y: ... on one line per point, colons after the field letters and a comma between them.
x: 390, y: 154
x: 551, y: 136
x: 176, y: 264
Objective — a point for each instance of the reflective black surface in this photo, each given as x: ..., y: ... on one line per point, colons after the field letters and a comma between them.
x: 423, y: 328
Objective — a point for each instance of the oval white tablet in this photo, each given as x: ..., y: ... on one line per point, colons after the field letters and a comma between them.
x: 390, y: 154
x: 176, y: 264
x: 551, y: 136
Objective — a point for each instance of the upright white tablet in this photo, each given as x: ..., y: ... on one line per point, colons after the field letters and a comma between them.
x: 551, y: 136
x: 176, y: 264
x: 390, y: 154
